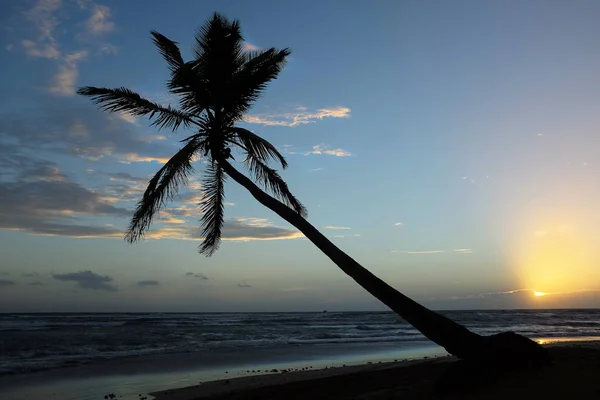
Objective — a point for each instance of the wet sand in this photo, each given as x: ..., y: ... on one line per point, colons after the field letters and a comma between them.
x: 574, y: 373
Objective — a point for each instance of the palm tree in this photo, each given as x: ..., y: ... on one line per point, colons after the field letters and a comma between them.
x: 215, y: 90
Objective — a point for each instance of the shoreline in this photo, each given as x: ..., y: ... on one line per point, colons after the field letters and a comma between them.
x: 128, y: 378
x: 299, y: 383
x: 223, y: 387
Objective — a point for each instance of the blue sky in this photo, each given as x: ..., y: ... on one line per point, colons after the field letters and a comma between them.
x: 449, y: 147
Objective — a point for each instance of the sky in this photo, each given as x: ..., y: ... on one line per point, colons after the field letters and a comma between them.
x: 452, y: 148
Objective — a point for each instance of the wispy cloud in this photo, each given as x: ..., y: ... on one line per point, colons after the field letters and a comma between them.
x: 43, y: 16
x: 530, y: 292
x: 300, y: 116
x: 63, y: 83
x: 347, y: 235
x: 34, y: 49
x: 244, y: 284
x: 324, y: 149
x: 240, y: 229
x: 100, y: 22
x: 319, y: 149
x: 398, y: 223
x: 463, y: 251
x: 337, y: 227
x: 250, y: 47
x: 129, y: 158
x: 316, y: 169
x: 424, y: 252
x: 198, y: 275
x: 245, y: 229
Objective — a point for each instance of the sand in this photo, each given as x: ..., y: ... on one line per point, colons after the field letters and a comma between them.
x: 574, y: 374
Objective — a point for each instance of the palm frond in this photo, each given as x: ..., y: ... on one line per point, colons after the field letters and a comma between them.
x: 125, y: 100
x: 161, y: 188
x: 273, y: 182
x: 192, y: 88
x: 219, y: 38
x: 258, y: 147
x: 169, y: 50
x: 213, y: 209
x: 250, y: 81
x: 219, y: 53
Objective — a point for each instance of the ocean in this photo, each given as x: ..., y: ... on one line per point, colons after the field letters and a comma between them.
x: 142, y: 344
x: 32, y: 342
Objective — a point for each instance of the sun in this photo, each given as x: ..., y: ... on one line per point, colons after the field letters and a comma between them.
x: 539, y: 294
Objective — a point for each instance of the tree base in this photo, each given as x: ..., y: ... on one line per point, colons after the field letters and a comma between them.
x: 495, y: 356
x: 513, y: 348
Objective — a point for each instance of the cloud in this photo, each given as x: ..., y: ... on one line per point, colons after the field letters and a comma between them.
x: 398, y: 223
x: 323, y: 149
x: 147, y: 283
x: 36, y: 283
x: 109, y: 49
x: 524, y: 298
x: 348, y: 235
x: 244, y: 284
x: 240, y: 229
x: 45, y: 51
x: 63, y: 83
x: 37, y: 197
x: 424, y: 252
x: 198, y: 275
x: 463, y: 251
x: 43, y: 16
x: 127, y: 177
x: 87, y: 280
x: 30, y: 274
x: 337, y: 227
x: 64, y: 127
x: 129, y: 158
x: 6, y: 283
x: 250, y: 47
x: 319, y: 149
x: 316, y: 169
x: 300, y: 116
x: 99, y: 22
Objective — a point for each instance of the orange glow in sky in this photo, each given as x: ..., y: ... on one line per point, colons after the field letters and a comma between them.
x: 556, y: 255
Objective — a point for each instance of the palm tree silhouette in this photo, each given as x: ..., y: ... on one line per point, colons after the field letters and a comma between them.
x: 215, y: 90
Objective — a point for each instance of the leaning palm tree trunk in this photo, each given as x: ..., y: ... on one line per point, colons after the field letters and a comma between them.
x: 455, y: 338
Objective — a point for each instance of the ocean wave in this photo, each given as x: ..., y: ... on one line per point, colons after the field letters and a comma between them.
x: 41, y: 341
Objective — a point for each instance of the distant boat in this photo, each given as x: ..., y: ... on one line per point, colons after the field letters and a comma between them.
x: 324, y: 311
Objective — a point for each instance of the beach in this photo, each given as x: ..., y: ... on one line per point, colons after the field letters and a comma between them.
x: 573, y: 373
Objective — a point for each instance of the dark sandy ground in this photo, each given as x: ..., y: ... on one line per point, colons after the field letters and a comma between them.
x: 573, y: 374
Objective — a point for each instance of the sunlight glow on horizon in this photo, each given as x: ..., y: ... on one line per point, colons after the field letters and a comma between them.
x: 556, y: 249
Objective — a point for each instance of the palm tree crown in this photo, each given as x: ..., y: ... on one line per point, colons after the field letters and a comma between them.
x: 215, y: 90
